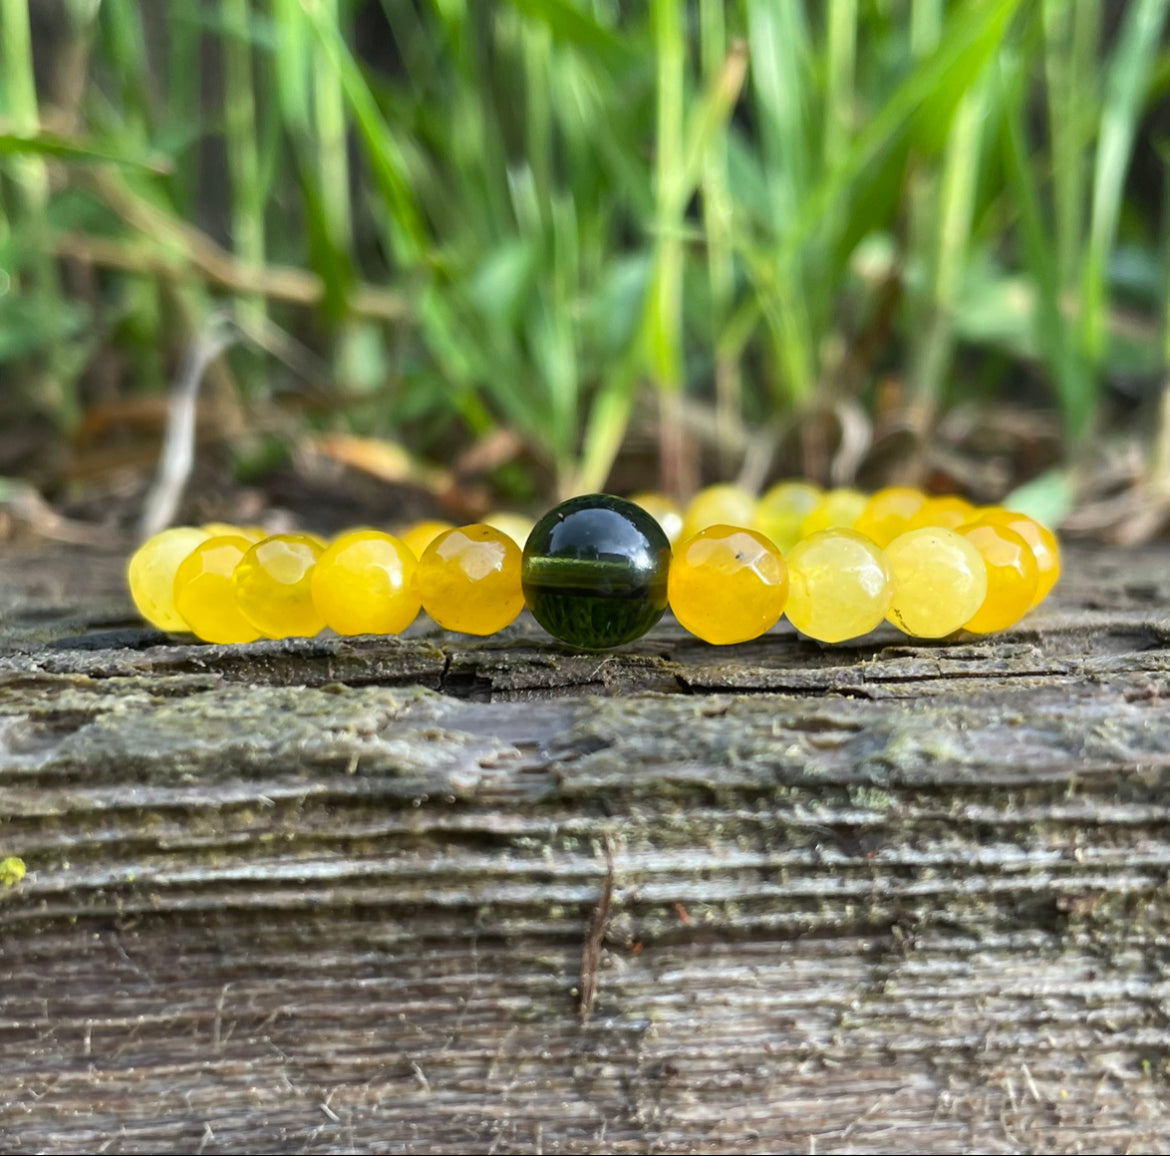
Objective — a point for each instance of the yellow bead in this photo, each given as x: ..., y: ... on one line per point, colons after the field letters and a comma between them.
x: 723, y: 505
x: 1011, y: 576
x: 228, y: 530
x: 516, y: 526
x: 940, y: 581
x: 839, y: 585
x: 949, y: 511
x: 781, y: 512
x: 204, y: 594
x: 888, y: 512
x: 665, y: 512
x: 273, y: 586
x: 837, y: 510
x: 727, y: 584
x: 469, y: 580
x: 364, y: 583
x: 1042, y: 541
x: 417, y: 537
x: 151, y: 574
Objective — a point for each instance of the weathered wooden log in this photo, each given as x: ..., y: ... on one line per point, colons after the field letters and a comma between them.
x: 432, y: 895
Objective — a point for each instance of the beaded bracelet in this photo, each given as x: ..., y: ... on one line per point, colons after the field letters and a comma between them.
x: 599, y: 571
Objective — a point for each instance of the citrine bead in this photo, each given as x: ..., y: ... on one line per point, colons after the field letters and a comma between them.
x: 273, y: 586
x: 516, y: 526
x: 888, y: 512
x: 469, y: 580
x: 1011, y: 576
x: 940, y: 581
x: 1041, y: 540
x: 364, y: 583
x: 595, y: 571
x: 151, y: 572
x: 254, y: 534
x: 950, y: 512
x: 204, y: 594
x: 839, y: 585
x: 727, y: 584
x: 419, y: 535
x: 837, y: 510
x: 781, y: 512
x: 726, y: 505
x: 664, y: 511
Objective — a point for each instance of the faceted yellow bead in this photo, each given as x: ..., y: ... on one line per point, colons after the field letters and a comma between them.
x: 781, y: 512
x: 665, y: 512
x: 837, y: 510
x: 940, y: 581
x: 417, y: 537
x: 469, y: 580
x: 839, y: 585
x: 228, y: 530
x: 888, y: 512
x: 364, y: 583
x: 723, y: 505
x: 274, y: 586
x: 949, y: 511
x: 516, y: 526
x: 1042, y: 541
x: 727, y: 584
x: 151, y: 574
x: 204, y: 594
x: 1011, y: 576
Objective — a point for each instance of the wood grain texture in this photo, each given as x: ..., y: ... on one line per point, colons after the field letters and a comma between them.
x: 336, y: 895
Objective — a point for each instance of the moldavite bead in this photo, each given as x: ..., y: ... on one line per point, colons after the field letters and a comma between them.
x: 888, y: 512
x: 1011, y: 576
x: 724, y: 505
x: 364, y: 583
x: 595, y: 571
x: 273, y: 586
x: 665, y: 512
x: 940, y: 581
x: 727, y: 584
x: 838, y: 509
x: 839, y: 585
x: 469, y: 580
x: 781, y: 512
x: 203, y: 590
x: 151, y: 574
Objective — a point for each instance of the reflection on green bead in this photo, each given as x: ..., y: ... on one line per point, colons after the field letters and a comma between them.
x: 595, y: 570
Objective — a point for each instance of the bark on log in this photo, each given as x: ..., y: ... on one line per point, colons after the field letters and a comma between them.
x: 432, y: 895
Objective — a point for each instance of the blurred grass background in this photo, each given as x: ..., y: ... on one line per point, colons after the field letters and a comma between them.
x: 546, y: 239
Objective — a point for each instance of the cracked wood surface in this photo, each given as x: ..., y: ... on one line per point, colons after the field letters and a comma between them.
x: 337, y: 895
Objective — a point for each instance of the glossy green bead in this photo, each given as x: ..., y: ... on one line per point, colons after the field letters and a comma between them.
x: 595, y: 571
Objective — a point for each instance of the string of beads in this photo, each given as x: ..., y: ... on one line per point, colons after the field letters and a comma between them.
x: 598, y: 571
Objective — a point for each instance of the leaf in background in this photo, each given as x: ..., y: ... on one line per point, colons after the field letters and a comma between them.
x: 571, y: 24
x: 503, y: 280
x: 1128, y: 77
x: 1049, y: 498
x: 48, y: 144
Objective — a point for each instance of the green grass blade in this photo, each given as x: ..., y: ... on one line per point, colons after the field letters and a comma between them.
x: 1128, y: 76
x: 1075, y: 386
x: 47, y: 144
x: 387, y: 160
x: 1071, y: 33
x: 240, y: 127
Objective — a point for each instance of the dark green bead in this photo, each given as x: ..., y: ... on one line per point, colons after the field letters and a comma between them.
x: 594, y: 572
